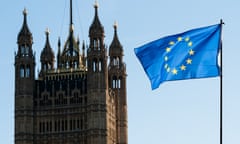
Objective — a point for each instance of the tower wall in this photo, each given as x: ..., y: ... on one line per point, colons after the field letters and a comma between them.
x: 24, y: 86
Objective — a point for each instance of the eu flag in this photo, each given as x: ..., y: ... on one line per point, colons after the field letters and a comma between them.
x: 188, y: 55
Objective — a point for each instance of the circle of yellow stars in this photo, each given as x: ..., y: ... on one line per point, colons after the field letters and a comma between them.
x: 186, y: 63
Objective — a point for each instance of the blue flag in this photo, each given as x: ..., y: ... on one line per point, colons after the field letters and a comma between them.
x: 188, y: 55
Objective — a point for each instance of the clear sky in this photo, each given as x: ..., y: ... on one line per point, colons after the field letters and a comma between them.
x: 180, y: 112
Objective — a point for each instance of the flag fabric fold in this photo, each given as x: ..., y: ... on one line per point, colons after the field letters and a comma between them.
x: 188, y: 55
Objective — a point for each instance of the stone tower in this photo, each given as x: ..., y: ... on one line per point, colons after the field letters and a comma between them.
x: 117, y: 82
x: 81, y: 100
x: 24, y: 86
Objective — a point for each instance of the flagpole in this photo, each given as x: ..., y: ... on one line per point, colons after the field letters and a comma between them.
x: 221, y: 84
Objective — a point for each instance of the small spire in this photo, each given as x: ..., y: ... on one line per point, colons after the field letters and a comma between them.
x: 71, y: 17
x: 115, y: 25
x: 25, y: 35
x: 59, y: 47
x: 71, y: 28
x: 71, y: 21
x: 96, y: 4
x: 25, y: 11
x: 78, y: 40
x: 83, y: 45
x: 25, y: 16
x: 96, y: 26
x: 96, y: 8
x: 59, y: 42
x: 47, y: 53
x: 47, y: 31
x: 115, y: 47
x: 83, y: 49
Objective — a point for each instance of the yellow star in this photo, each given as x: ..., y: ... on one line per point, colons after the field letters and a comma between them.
x: 191, y: 52
x: 190, y: 44
x: 189, y: 61
x: 183, y: 67
x: 174, y: 71
x: 168, y: 49
x: 171, y: 43
x: 166, y: 58
x: 187, y: 39
x: 179, y: 38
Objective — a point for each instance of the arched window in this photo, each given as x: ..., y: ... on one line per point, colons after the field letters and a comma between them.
x: 28, y: 71
x: 75, y: 64
x: 119, y: 83
x: 98, y: 44
x: 114, y: 82
x: 95, y: 65
x: 94, y: 44
x: 100, y: 66
x: 27, y: 50
x: 22, y: 71
x: 67, y: 65
x: 115, y: 61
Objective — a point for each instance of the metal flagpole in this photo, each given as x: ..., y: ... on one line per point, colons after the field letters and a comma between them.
x: 221, y: 83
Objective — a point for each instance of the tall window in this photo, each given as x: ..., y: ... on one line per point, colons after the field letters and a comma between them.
x: 27, y: 51
x: 116, y: 61
x: 28, y: 71
x: 22, y: 71
x: 98, y: 44
x: 100, y: 66
x: 94, y: 44
x: 94, y: 65
x: 67, y: 65
x: 114, y: 82
x: 119, y: 83
x: 75, y: 64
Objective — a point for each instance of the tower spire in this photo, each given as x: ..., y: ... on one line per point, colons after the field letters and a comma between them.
x: 96, y: 28
x: 25, y: 36
x: 71, y: 21
x: 70, y: 56
x: 71, y: 30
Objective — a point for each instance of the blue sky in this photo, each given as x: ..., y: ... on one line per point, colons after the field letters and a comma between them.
x: 180, y: 112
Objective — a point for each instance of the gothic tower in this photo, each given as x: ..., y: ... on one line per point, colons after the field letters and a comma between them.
x: 117, y: 82
x: 97, y: 82
x: 47, y: 57
x: 81, y: 100
x: 24, y: 84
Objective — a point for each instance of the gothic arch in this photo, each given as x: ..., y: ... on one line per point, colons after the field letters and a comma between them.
x: 27, y: 72
x: 22, y: 71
